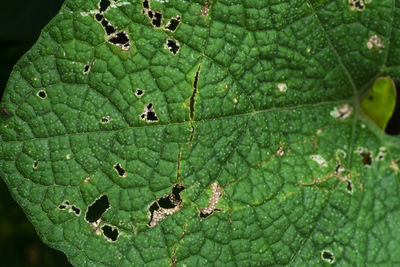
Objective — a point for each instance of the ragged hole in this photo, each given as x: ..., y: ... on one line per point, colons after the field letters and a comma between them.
x: 42, y: 94
x: 155, y: 18
x: 103, y: 5
x: 76, y: 210
x: 139, y: 92
x: 366, y: 157
x: 349, y: 187
x: 327, y: 256
x: 110, y: 233
x: 166, y: 205
x: 172, y: 46
x: 146, y: 4
x: 357, y: 5
x: 173, y: 24
x: 97, y: 208
x: 99, y: 17
x: 121, y: 39
x: 86, y: 68
x: 149, y: 114
x: 35, y: 164
x: 64, y: 205
x: 118, y: 168
x: 105, y: 119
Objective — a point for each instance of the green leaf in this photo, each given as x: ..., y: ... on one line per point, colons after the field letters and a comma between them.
x: 226, y: 132
x: 379, y: 102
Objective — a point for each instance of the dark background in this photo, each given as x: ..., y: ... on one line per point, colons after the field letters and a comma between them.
x: 20, y: 25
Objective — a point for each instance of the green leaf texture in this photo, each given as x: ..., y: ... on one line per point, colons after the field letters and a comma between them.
x: 219, y: 133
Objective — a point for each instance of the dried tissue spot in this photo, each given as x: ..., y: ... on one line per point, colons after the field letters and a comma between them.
x: 166, y: 205
x: 282, y: 87
x: 149, y: 114
x: 366, y: 156
x: 280, y: 151
x: 172, y: 45
x: 320, y: 160
x: 215, y: 197
x: 327, y: 256
x: 375, y: 42
x: 342, y: 112
x: 206, y: 8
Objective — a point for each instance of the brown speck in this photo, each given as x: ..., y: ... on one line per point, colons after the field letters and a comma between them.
x: 5, y: 112
x: 205, y: 9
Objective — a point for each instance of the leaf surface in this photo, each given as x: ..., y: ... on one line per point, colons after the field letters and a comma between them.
x: 226, y: 132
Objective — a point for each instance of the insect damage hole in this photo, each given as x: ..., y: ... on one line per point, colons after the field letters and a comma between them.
x: 366, y: 156
x: 97, y: 209
x: 42, y: 94
x: 155, y: 18
x: 349, y: 187
x: 357, y: 5
x: 64, y: 205
x: 173, y: 23
x: 215, y: 197
x: 375, y: 42
x: 149, y: 114
x: 166, y: 205
x: 111, y: 233
x: 327, y: 256
x: 86, y: 68
x: 103, y: 5
x: 35, y: 164
x: 121, y: 171
x: 76, y: 210
x: 139, y: 92
x: 105, y: 119
x: 172, y: 45
x: 120, y: 39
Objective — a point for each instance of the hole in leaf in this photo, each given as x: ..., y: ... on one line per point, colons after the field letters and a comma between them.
x: 366, y: 157
x: 146, y: 4
x: 120, y: 39
x: 166, y: 205
x: 172, y: 46
x: 393, y: 126
x: 76, y: 210
x: 86, y: 68
x: 42, y: 94
x: 97, y: 208
x: 139, y: 92
x: 155, y: 17
x: 109, y: 29
x: 99, y: 17
x: 104, y: 4
x: 349, y: 187
x: 118, y: 168
x: 173, y: 23
x: 327, y: 256
x: 149, y: 114
x: 357, y: 5
x: 106, y: 119
x: 110, y: 232
x: 35, y: 164
x: 64, y: 205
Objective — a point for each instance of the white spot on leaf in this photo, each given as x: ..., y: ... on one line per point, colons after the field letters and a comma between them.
x: 342, y: 112
x: 320, y: 160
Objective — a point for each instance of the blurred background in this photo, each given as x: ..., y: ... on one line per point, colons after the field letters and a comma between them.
x: 21, y: 22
